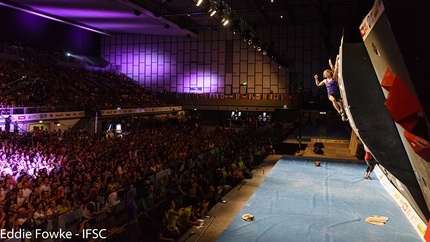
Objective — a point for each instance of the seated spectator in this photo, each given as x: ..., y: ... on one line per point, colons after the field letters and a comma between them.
x: 236, y: 171
x: 240, y: 163
x: 214, y: 196
x: 172, y: 217
x: 163, y: 233
x: 203, y: 210
x: 187, y: 217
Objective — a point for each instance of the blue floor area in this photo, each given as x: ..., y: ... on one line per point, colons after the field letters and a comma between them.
x: 298, y: 201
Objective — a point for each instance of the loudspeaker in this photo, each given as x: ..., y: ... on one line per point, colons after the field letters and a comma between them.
x: 318, y: 150
x: 247, y: 173
x: 319, y: 145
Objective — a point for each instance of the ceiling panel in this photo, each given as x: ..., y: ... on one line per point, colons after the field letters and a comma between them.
x: 183, y: 17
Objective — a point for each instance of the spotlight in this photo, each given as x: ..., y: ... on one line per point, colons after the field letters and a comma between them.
x: 255, y: 43
x: 262, y: 48
x: 212, y: 12
x: 166, y: 26
x: 245, y: 35
x: 199, y: 2
x: 235, y: 28
x: 68, y: 54
x: 225, y: 21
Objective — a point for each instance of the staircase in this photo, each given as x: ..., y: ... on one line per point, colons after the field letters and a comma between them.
x: 83, y: 123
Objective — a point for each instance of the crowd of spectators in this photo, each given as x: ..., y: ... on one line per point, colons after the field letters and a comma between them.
x: 28, y: 82
x: 42, y: 178
x: 46, y: 174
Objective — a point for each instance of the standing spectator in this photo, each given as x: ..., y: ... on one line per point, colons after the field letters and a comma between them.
x: 214, y: 196
x: 52, y: 214
x: 25, y: 216
x: 10, y: 224
x: 112, y: 200
x: 113, y: 185
x: 64, y: 206
x: 15, y: 127
x: 93, y: 208
x: 132, y: 211
x: 161, y: 190
x: 7, y: 122
x: 192, y: 190
x: 370, y: 164
x: 20, y: 199
x: 40, y: 217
